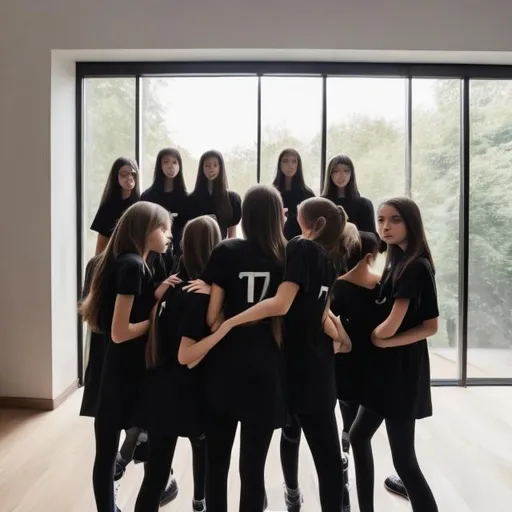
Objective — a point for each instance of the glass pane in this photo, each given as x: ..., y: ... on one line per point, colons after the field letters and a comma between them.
x: 366, y: 121
x: 291, y: 117
x: 195, y: 114
x: 490, y: 221
x: 435, y: 188
x: 109, y: 132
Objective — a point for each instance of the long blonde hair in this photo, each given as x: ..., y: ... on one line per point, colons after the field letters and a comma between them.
x: 129, y: 236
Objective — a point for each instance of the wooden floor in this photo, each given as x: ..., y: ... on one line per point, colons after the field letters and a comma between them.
x: 465, y: 451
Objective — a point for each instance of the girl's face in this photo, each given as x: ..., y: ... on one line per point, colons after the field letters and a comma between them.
x: 391, y: 226
x: 211, y: 168
x: 160, y: 238
x: 126, y: 178
x: 340, y: 175
x: 289, y: 164
x: 170, y: 166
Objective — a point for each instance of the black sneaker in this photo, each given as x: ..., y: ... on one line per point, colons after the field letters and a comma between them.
x: 199, y: 506
x: 293, y: 503
x: 395, y: 485
x: 170, y: 493
x: 345, y: 443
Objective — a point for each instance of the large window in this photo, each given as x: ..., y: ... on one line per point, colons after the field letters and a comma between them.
x: 435, y: 187
x: 195, y: 114
x: 109, y: 132
x: 403, y: 126
x: 490, y: 240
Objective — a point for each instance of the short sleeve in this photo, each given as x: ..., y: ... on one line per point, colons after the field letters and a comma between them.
x: 194, y: 321
x: 103, y: 222
x: 407, y: 285
x: 130, y: 274
x: 236, y: 205
x: 296, y: 265
x: 215, y: 271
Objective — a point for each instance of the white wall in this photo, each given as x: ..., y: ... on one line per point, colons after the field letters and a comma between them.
x: 37, y: 264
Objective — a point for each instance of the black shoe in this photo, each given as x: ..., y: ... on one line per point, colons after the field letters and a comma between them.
x: 293, y: 503
x: 141, y: 453
x: 395, y: 485
x: 199, y: 506
x: 344, y: 460
x: 345, y: 443
x: 170, y: 493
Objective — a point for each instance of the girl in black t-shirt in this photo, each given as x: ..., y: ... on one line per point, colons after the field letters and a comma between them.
x: 398, y: 389
x: 169, y: 190
x: 244, y: 375
x: 290, y: 182
x: 212, y: 197
x: 353, y: 300
x: 303, y: 298
x: 120, y: 300
x: 172, y: 405
x: 341, y: 188
x: 121, y: 191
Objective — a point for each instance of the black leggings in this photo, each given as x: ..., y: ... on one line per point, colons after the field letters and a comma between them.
x: 107, y: 443
x: 401, y: 442
x: 348, y: 413
x: 321, y: 433
x: 158, y: 469
x: 254, y: 445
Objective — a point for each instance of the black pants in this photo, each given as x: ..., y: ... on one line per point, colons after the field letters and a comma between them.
x: 401, y: 442
x: 348, y: 413
x: 254, y: 445
x: 107, y: 442
x: 321, y: 433
x: 158, y: 469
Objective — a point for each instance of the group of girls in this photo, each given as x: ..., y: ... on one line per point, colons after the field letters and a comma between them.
x: 197, y: 331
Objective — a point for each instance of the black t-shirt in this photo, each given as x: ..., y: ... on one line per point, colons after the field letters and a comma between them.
x: 291, y: 199
x: 308, y: 351
x: 356, y: 306
x: 359, y: 211
x: 172, y: 396
x: 176, y: 204
x: 245, y: 370
x: 202, y: 204
x: 124, y: 365
x: 109, y: 213
x: 402, y: 378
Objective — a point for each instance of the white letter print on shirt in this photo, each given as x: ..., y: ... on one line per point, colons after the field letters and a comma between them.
x: 323, y: 289
x: 251, y: 277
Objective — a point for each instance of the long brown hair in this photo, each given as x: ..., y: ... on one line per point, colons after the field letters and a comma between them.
x: 262, y: 221
x: 129, y: 236
x: 113, y: 189
x: 330, y: 190
x: 327, y: 222
x: 223, y: 208
x: 200, y: 237
x: 417, y: 245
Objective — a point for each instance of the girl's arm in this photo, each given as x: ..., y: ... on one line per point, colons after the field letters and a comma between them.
x: 425, y: 330
x: 172, y: 280
x: 274, y: 306
x: 215, y: 306
x: 388, y: 328
x: 342, y: 337
x: 122, y: 330
x: 232, y: 232
x: 101, y: 244
x: 191, y: 352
